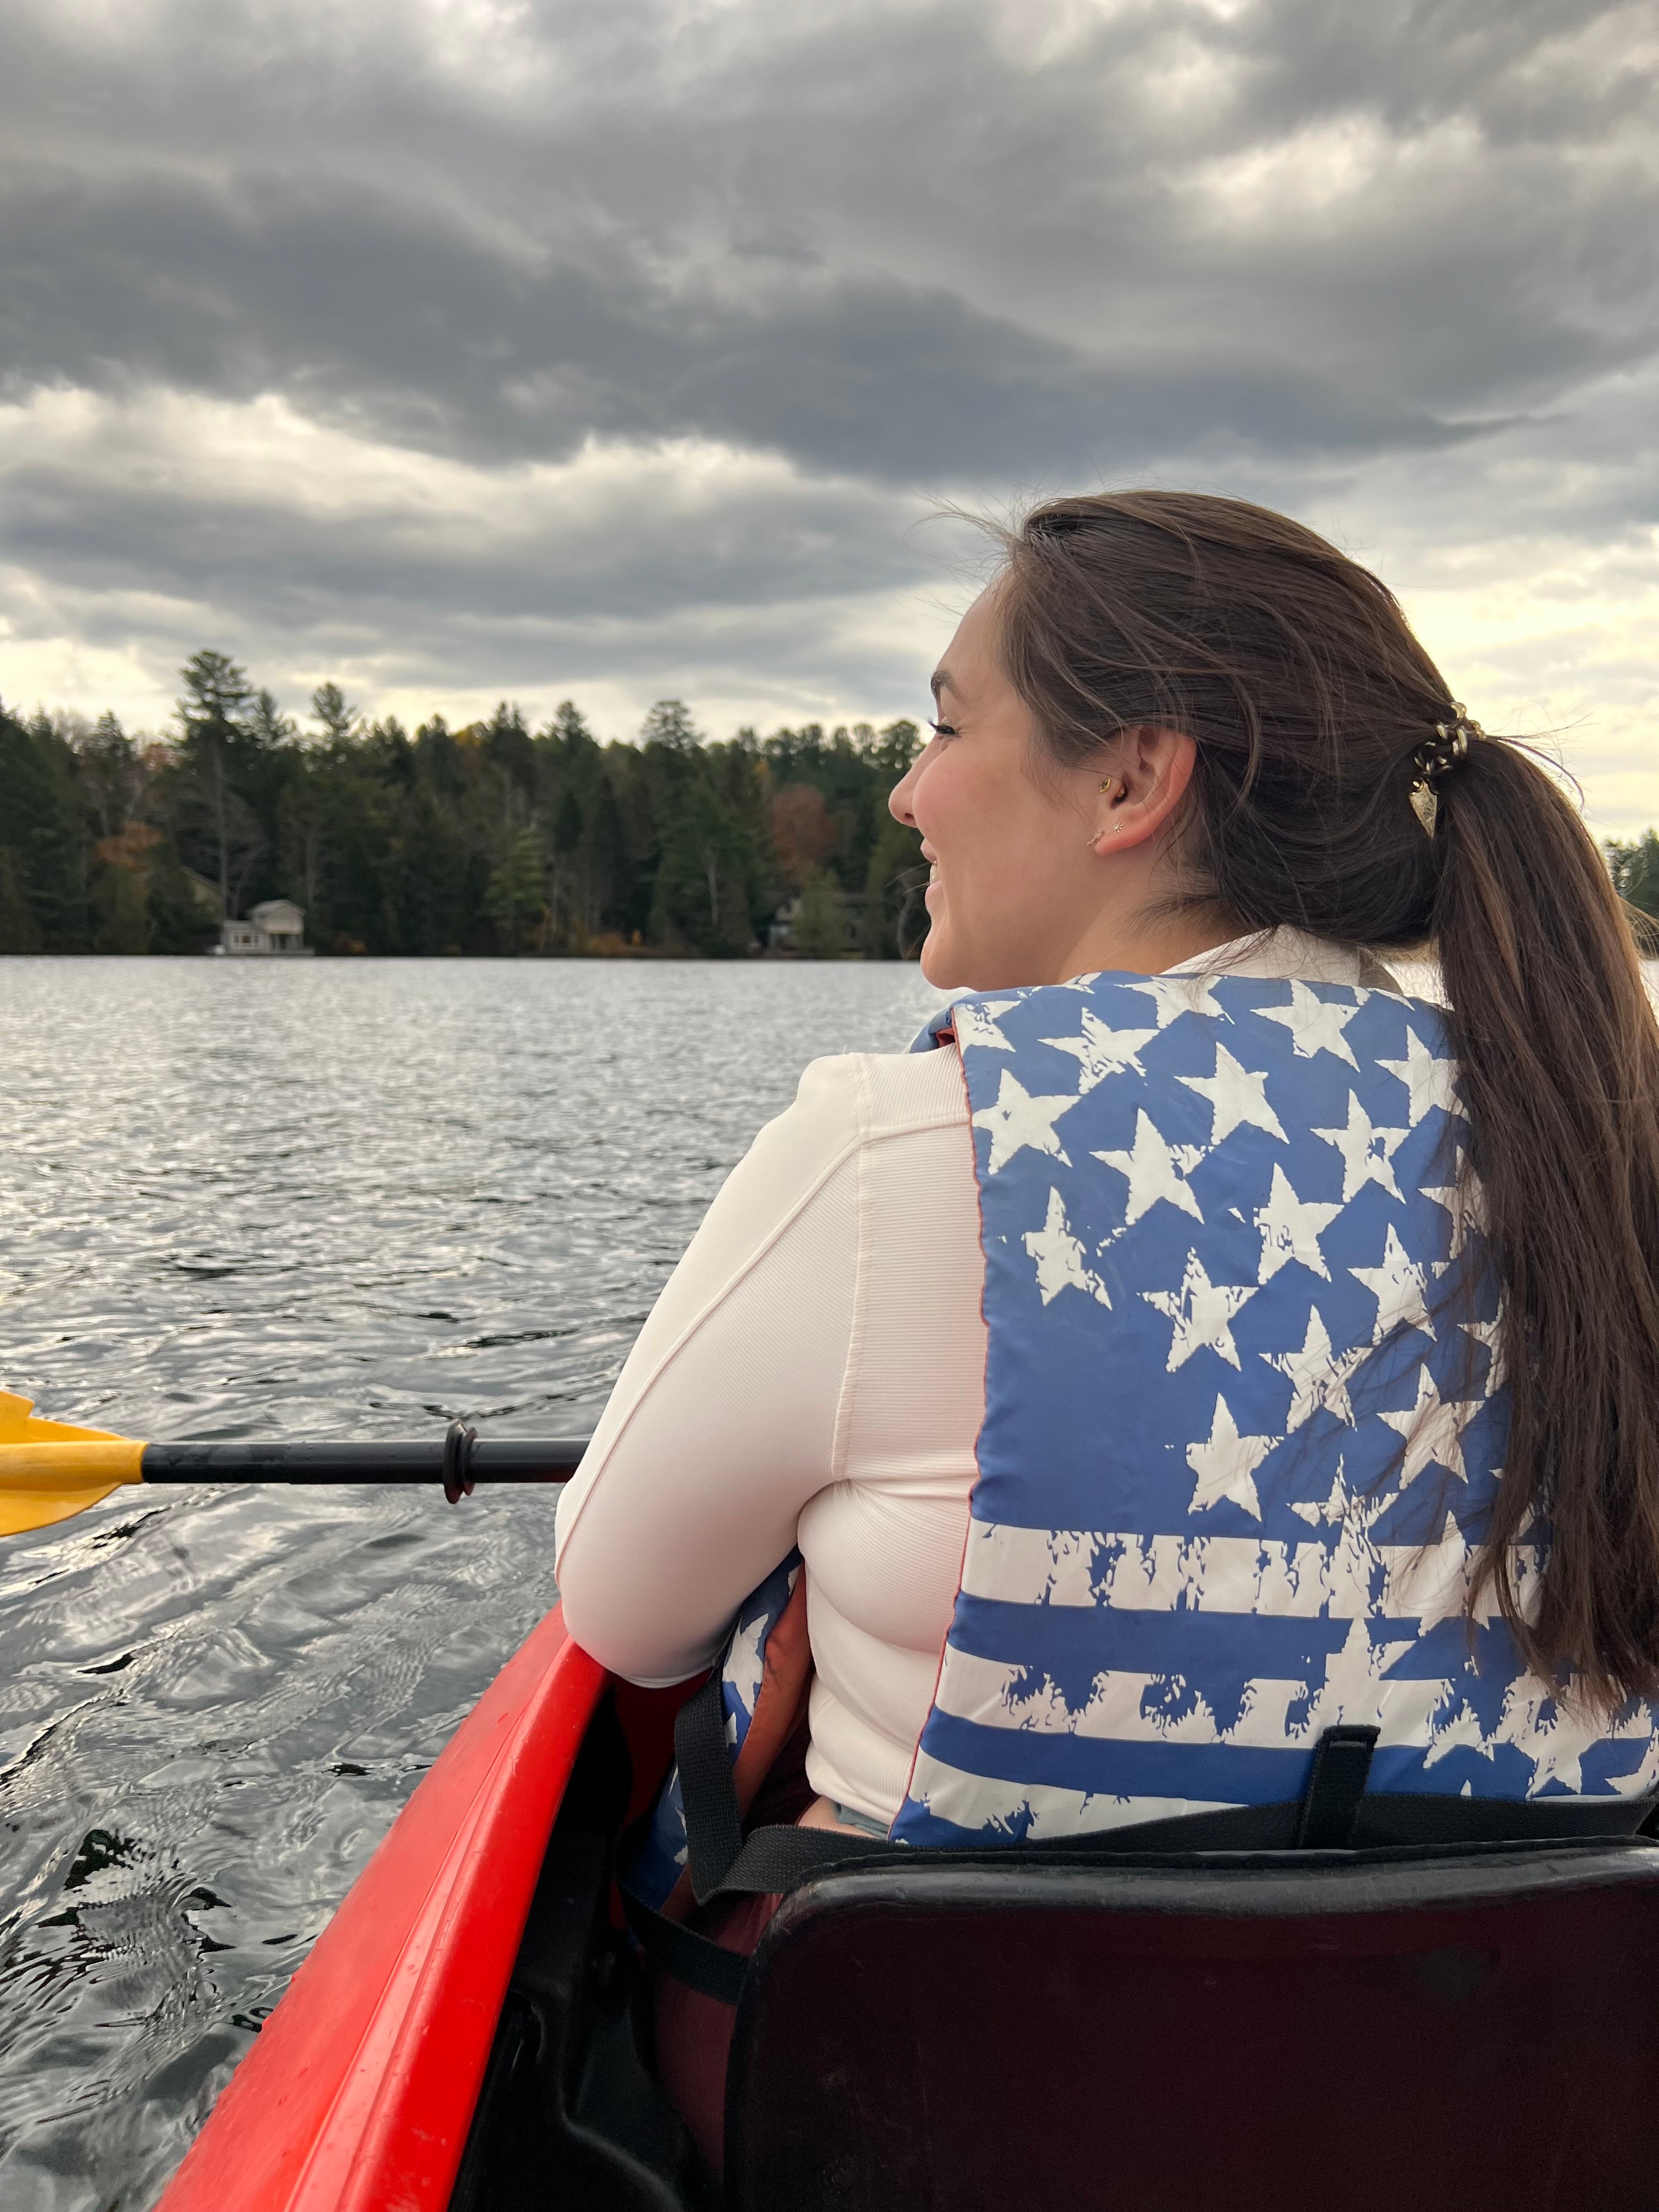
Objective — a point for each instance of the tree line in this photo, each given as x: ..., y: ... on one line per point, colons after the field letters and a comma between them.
x: 1635, y: 867
x: 496, y: 838
x: 490, y: 839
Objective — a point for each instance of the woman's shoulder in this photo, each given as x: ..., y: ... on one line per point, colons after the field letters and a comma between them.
x: 841, y: 1104
x: 868, y: 1095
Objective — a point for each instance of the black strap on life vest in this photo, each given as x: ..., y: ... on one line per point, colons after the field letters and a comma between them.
x: 713, y: 1825
x: 1330, y: 1803
x: 1335, y: 1812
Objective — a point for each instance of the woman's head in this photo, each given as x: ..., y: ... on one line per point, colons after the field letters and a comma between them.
x: 1182, y: 718
x: 1262, y: 697
x: 1016, y: 832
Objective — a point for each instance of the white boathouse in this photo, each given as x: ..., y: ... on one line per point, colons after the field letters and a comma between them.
x: 275, y: 928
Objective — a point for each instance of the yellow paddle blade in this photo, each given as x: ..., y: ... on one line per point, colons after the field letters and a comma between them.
x: 49, y: 1471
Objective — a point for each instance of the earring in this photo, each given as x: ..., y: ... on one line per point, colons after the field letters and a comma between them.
x: 1094, y: 836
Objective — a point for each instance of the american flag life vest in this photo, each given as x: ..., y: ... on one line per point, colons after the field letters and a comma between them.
x: 1244, y: 1421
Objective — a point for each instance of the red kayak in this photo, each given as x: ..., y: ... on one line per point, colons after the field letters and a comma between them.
x: 360, y: 2090
x: 1297, y: 2030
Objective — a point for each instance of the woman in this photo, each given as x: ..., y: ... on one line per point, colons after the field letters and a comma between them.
x: 1228, y: 1332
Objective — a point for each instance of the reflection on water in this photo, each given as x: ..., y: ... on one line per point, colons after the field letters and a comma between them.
x: 349, y: 1198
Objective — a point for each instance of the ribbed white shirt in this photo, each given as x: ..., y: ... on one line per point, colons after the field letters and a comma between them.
x: 814, y: 1373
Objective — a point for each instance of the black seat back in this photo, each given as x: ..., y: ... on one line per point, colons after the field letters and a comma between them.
x: 1331, y: 2032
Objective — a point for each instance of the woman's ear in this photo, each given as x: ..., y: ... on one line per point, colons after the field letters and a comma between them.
x: 1152, y: 767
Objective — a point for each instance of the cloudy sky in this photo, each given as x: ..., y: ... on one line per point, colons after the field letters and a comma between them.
x: 619, y: 348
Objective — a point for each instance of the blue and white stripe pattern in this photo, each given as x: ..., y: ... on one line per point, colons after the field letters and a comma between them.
x: 1243, y: 1421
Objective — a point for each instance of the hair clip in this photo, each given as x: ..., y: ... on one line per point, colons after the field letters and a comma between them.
x: 1436, y: 757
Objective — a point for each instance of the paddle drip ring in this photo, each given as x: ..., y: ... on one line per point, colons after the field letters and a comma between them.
x: 459, y: 1440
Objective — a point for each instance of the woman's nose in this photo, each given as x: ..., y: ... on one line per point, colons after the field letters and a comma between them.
x: 898, y: 798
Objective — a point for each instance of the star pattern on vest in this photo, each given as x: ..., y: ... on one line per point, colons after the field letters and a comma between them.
x: 1557, y: 1751
x: 1317, y: 1373
x: 1435, y: 1585
x: 1399, y: 1287
x: 1290, y: 1227
x: 1202, y: 1312
x: 1333, y: 1511
x: 1236, y: 1096
x: 1100, y: 1051
x: 1316, y: 1024
x: 1017, y: 1120
x: 1427, y: 1078
x: 1060, y: 1258
x: 1225, y: 1464
x: 1489, y: 1333
x: 1367, y: 1148
x: 1462, y: 1200
x: 976, y: 1023
x: 1154, y: 1171
x: 1357, y: 1681
x: 1433, y: 1430
x: 745, y: 1662
x: 1172, y: 996
x: 1447, y: 1195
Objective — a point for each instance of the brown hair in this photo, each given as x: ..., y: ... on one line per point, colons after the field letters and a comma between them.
x: 1297, y: 675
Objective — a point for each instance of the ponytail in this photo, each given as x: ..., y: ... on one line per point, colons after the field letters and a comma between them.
x: 1559, y: 1067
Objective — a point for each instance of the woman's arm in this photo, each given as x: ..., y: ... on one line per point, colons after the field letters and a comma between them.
x: 723, y: 1421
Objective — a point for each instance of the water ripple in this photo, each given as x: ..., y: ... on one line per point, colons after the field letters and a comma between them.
x: 350, y: 1199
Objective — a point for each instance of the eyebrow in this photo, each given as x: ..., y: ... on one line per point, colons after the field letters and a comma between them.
x: 940, y: 681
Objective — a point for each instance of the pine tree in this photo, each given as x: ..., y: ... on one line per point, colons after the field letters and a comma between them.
x: 215, y: 697
x: 669, y: 723
x: 518, y: 891
x: 267, y: 725
x: 43, y: 841
x: 330, y: 707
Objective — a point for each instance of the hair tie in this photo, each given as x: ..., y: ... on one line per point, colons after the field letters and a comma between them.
x: 1436, y: 757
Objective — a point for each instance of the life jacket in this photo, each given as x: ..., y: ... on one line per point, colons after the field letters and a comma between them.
x: 1244, y: 1423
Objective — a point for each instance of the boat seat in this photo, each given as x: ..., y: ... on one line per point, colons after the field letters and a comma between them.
x: 1315, y: 2032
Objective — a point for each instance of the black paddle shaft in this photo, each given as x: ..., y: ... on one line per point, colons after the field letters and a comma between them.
x: 457, y: 1459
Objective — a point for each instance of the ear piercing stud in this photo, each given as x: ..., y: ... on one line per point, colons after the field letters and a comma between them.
x: 1106, y: 790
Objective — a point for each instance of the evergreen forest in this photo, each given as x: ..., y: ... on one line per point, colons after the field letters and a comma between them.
x: 494, y: 839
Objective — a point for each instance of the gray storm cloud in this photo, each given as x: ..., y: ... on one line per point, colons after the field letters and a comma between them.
x: 858, y: 255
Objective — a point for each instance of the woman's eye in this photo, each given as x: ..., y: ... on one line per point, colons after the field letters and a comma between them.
x: 941, y: 729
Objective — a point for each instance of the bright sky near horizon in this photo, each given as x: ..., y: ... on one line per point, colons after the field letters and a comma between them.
x: 614, y: 349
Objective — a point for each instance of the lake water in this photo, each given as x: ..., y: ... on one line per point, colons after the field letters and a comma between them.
x: 336, y: 1198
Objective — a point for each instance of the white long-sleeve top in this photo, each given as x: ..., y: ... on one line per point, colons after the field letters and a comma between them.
x: 814, y: 1374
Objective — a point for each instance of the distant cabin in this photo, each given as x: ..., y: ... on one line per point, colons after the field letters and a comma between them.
x: 277, y: 926
x: 842, y: 913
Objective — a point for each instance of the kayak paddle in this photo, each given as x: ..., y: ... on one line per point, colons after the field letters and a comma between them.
x: 50, y: 1471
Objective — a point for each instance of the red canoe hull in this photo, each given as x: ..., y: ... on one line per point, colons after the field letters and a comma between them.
x: 359, y: 2092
